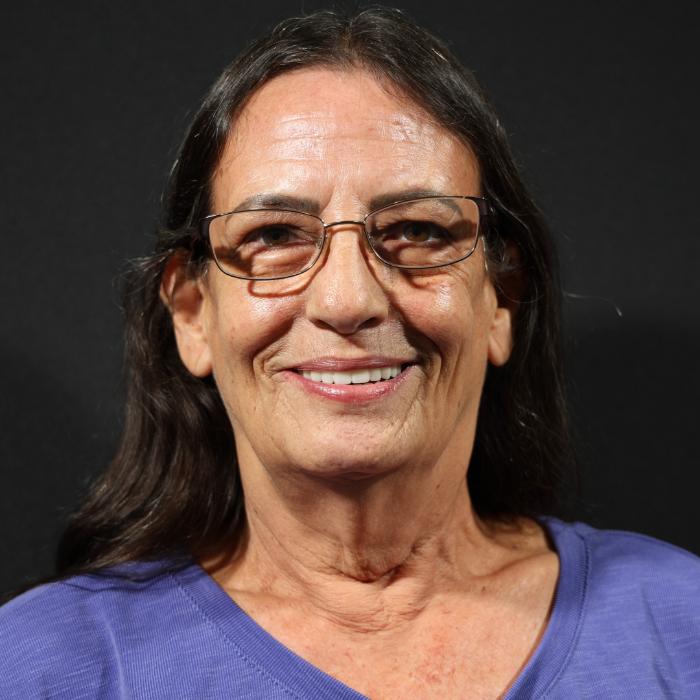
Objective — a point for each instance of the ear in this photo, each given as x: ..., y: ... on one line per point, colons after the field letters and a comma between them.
x: 185, y: 297
x: 500, y: 336
x: 510, y: 290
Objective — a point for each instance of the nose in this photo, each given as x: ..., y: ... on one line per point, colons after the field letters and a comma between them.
x: 344, y: 294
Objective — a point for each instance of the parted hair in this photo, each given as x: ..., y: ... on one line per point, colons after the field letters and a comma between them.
x: 173, y: 487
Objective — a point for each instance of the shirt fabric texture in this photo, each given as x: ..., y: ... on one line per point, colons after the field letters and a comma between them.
x: 625, y: 624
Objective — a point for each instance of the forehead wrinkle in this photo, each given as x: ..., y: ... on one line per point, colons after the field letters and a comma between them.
x: 295, y: 152
x: 294, y: 138
x: 405, y: 128
x: 309, y: 124
x: 396, y: 127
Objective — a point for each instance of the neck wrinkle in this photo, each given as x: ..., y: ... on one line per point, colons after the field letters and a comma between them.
x: 362, y: 587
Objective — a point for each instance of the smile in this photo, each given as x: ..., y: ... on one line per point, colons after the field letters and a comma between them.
x: 355, y: 376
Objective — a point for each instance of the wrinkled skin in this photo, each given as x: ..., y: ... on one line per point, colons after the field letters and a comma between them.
x: 355, y: 144
x: 360, y: 531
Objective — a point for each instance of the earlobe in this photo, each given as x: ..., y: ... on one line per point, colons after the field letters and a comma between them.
x: 185, y: 298
x: 500, y: 337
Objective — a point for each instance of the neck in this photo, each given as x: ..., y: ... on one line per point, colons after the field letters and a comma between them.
x: 366, y: 554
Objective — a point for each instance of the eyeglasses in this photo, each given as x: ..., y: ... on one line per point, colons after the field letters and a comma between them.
x: 416, y: 234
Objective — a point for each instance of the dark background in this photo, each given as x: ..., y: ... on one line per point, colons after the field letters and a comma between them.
x: 601, y: 103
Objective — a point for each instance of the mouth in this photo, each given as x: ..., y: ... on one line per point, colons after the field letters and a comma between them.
x: 367, y: 375
x: 352, y: 381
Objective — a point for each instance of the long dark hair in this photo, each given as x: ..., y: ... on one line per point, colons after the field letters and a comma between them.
x: 173, y: 486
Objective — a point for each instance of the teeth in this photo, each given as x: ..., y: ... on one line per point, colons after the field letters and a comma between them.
x: 361, y: 377
x: 356, y: 376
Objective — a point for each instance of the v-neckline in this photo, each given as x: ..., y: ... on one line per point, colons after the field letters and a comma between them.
x: 302, y: 679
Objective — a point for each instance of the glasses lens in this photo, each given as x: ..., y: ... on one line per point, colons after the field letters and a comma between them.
x: 425, y: 232
x: 265, y: 244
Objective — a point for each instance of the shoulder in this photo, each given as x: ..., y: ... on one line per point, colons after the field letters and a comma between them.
x: 633, y: 585
x: 626, y: 619
x: 631, y: 560
x: 629, y: 563
x: 88, y: 600
x: 57, y: 640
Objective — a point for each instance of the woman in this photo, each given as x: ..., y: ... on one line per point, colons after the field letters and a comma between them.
x: 350, y: 272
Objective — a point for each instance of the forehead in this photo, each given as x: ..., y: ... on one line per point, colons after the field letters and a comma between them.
x: 327, y: 130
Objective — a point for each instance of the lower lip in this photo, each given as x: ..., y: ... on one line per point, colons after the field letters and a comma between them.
x: 351, y: 393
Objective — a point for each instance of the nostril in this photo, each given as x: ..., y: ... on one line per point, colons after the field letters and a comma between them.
x: 345, y: 324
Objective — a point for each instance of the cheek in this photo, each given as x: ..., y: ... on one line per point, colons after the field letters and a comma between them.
x: 448, y: 312
x: 245, y: 327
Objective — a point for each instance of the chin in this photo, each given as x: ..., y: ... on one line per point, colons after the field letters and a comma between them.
x: 350, y: 463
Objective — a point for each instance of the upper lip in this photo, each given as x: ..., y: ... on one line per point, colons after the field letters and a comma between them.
x: 339, y: 364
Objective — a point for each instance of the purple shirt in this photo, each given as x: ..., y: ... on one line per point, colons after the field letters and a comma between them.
x: 625, y: 624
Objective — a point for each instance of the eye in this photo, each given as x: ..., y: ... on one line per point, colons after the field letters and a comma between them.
x: 427, y: 232
x: 265, y: 243
x: 420, y: 231
x: 272, y: 236
x: 412, y: 232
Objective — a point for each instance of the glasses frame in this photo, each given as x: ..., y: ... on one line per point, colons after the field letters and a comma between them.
x: 485, y: 211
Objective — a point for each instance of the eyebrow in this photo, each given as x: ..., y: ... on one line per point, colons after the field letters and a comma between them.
x: 277, y: 200
x: 384, y: 200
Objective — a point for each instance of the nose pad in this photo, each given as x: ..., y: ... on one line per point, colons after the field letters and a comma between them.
x: 344, y: 294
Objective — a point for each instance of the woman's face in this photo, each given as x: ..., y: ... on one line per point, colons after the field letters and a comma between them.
x: 335, y: 142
